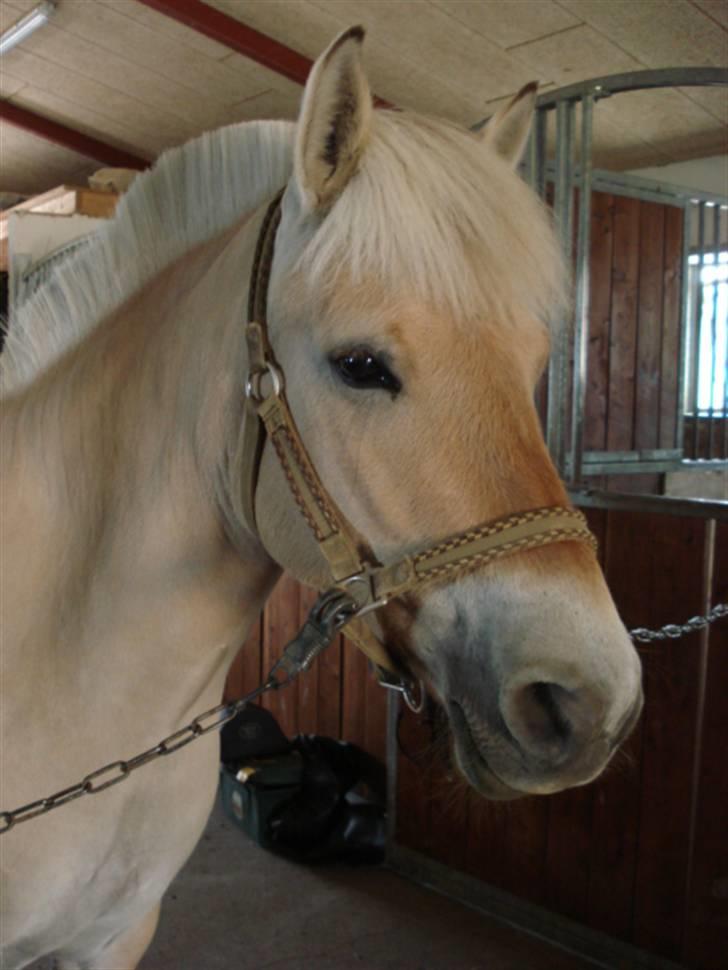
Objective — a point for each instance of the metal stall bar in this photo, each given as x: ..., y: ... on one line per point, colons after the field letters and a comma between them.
x: 581, y: 310
x: 687, y: 229
x: 724, y: 448
x: 714, y: 329
x: 535, y: 172
x: 697, y: 316
x: 558, y: 401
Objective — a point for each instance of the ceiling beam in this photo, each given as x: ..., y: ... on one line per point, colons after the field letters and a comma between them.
x: 239, y: 37
x: 69, y: 138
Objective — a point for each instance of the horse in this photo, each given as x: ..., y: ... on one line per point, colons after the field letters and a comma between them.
x: 411, y: 284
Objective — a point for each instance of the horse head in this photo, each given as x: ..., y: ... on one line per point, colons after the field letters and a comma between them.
x: 413, y: 276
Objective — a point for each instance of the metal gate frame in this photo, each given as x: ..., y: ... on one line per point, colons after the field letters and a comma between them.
x: 566, y: 393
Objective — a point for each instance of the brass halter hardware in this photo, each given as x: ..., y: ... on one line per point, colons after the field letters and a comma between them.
x: 354, y: 569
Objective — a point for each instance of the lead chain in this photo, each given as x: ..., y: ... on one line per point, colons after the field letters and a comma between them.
x: 328, y: 616
x: 672, y: 631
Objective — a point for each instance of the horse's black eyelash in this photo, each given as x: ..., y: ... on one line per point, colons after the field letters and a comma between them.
x: 363, y: 369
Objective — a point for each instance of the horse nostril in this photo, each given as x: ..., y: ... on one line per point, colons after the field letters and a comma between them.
x: 539, y: 716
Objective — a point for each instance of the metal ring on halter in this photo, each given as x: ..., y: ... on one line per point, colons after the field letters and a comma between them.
x: 253, y: 389
x: 406, y: 688
x: 350, y: 585
x: 409, y: 698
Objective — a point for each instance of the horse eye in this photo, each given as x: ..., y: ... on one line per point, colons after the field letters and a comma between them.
x: 362, y: 369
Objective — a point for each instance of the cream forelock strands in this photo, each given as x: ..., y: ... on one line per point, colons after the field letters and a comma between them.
x: 436, y: 209
x: 192, y: 194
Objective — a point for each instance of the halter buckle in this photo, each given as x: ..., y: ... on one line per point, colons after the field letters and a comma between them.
x: 253, y: 382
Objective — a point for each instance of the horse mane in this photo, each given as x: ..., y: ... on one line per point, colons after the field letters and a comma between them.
x: 429, y: 209
x: 192, y: 193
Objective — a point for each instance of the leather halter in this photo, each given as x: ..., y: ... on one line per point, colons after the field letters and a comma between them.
x: 355, y: 571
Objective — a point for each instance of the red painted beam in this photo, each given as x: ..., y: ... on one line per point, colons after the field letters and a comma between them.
x: 69, y: 138
x: 239, y: 37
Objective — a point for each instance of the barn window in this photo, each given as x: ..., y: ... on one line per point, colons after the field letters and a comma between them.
x: 705, y: 402
x: 706, y: 377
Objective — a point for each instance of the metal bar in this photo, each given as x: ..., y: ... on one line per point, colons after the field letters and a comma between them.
x: 724, y: 449
x: 697, y: 316
x: 69, y: 138
x: 714, y: 327
x: 536, y: 155
x: 621, y: 183
x: 644, y: 454
x: 392, y: 757
x: 643, y: 467
x: 697, y: 508
x: 670, y: 77
x: 236, y: 35
x: 687, y: 228
x: 581, y: 309
x: 636, y: 187
x: 709, y: 556
x: 558, y: 403
x: 539, y: 128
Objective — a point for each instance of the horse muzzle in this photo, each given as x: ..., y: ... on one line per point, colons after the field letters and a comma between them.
x: 540, y: 739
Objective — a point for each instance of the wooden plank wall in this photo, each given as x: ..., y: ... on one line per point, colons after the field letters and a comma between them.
x: 634, y: 331
x: 642, y: 853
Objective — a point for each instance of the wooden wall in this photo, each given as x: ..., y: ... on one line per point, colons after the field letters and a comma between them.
x: 641, y: 854
x: 634, y: 330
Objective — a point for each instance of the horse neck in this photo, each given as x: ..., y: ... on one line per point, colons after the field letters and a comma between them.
x: 127, y: 434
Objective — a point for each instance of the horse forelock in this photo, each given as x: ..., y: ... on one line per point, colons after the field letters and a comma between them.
x: 433, y: 212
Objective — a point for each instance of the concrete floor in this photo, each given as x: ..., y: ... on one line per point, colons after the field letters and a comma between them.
x: 236, y: 907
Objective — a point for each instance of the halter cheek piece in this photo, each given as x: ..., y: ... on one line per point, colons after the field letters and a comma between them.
x: 360, y: 583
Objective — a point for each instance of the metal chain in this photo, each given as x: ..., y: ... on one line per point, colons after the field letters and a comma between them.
x: 328, y: 616
x: 672, y: 631
x: 331, y: 612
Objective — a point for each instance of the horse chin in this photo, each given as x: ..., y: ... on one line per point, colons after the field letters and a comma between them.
x: 471, y: 763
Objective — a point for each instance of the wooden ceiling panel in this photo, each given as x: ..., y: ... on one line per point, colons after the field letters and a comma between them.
x: 35, y: 162
x: 167, y: 27
x: 491, y: 21
x: 131, y: 134
x: 74, y: 53
x: 9, y: 85
x: 717, y: 10
x: 11, y: 12
x: 426, y: 37
x: 190, y: 71
x: 102, y: 98
x: 712, y: 100
x: 685, y: 37
x: 573, y: 55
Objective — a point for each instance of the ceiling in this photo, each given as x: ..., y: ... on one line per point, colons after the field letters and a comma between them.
x: 139, y: 81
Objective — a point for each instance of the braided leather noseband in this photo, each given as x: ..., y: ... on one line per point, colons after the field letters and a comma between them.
x: 364, y: 583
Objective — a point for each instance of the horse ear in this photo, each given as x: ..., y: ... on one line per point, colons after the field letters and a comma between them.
x: 507, y: 131
x: 334, y: 121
